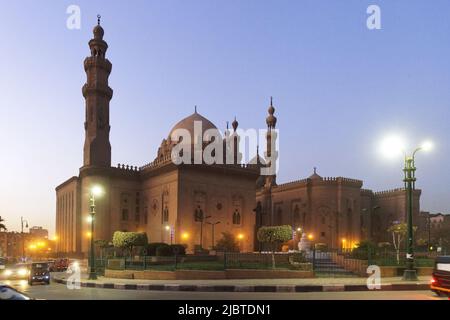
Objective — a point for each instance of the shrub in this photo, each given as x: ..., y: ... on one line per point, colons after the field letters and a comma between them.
x: 179, y: 249
x: 164, y: 251
x: 362, y: 250
x: 227, y: 243
x: 128, y: 240
x: 152, y: 247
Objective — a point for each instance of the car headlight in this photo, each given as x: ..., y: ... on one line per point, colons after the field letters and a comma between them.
x: 8, y: 272
x: 22, y: 272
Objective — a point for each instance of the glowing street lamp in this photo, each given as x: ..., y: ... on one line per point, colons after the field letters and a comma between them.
x: 96, y: 191
x: 171, y: 231
x: 394, y: 146
x: 185, y: 235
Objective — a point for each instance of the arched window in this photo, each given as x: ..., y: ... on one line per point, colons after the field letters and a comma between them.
x: 198, y: 214
x: 166, y: 214
x: 236, y: 217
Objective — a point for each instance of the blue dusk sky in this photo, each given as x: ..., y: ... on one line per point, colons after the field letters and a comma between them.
x: 338, y: 87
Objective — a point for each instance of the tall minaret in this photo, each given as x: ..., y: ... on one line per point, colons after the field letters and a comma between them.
x: 271, y: 137
x: 97, y: 148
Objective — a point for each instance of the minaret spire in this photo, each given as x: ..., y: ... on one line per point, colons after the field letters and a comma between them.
x: 271, y: 137
x: 98, y: 19
x: 97, y: 93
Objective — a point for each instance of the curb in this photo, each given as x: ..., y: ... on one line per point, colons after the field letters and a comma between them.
x: 255, y: 288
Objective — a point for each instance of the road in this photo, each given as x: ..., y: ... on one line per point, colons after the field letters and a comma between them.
x: 57, y: 291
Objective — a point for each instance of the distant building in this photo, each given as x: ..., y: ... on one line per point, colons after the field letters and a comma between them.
x: 39, y: 232
x: 12, y: 245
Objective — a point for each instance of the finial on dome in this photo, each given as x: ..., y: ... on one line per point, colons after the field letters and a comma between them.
x: 98, y: 30
x: 195, y: 109
x: 271, y: 108
x: 227, y: 125
x: 271, y: 120
x: 235, y: 124
x: 315, y: 170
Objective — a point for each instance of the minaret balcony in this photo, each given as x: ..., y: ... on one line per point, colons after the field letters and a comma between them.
x: 93, y: 89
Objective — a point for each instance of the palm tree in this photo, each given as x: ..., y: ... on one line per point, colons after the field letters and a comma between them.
x: 2, y: 226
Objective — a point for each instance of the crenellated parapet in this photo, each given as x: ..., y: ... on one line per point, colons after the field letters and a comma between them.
x: 390, y: 192
x: 158, y: 162
x: 367, y: 193
x: 127, y: 167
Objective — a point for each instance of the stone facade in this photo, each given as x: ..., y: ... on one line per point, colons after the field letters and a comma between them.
x: 336, y: 211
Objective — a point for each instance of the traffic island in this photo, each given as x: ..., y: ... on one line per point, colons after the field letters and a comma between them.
x: 251, y: 285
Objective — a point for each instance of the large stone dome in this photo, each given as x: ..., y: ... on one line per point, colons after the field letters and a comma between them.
x: 189, y: 122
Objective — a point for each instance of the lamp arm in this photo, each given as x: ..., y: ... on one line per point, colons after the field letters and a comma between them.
x: 415, y: 151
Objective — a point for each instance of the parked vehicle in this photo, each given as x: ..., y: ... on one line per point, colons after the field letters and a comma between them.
x: 440, y: 282
x: 61, y: 265
x: 39, y: 272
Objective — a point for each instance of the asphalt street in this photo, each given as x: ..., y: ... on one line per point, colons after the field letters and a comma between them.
x: 57, y: 291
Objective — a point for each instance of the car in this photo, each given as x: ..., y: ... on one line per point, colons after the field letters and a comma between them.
x: 39, y: 272
x: 440, y: 281
x: 60, y: 265
x: 15, y: 272
x: 9, y: 293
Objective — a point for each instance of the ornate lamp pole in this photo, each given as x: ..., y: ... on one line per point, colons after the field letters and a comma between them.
x: 393, y: 146
x: 22, y: 221
x: 410, y: 185
x: 96, y: 191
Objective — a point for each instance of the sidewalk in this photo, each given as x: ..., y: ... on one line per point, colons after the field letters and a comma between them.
x: 249, y: 285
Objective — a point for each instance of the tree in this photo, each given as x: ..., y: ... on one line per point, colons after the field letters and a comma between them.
x: 274, y: 235
x: 227, y: 243
x: 2, y: 226
x: 398, y: 231
x: 128, y: 240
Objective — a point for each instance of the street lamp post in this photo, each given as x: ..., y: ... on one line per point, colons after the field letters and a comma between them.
x: 213, y: 225
x: 23, y: 236
x: 393, y: 146
x: 96, y: 191
x: 410, y: 181
x: 170, y: 229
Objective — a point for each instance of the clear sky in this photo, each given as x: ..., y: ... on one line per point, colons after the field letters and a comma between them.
x: 338, y: 87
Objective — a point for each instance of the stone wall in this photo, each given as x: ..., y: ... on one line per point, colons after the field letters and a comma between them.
x: 208, y: 275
